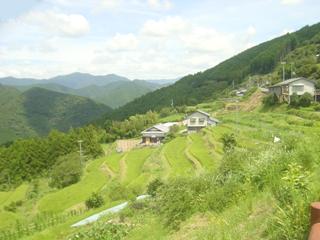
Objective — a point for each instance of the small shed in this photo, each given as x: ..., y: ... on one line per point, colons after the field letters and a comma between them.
x: 198, y: 120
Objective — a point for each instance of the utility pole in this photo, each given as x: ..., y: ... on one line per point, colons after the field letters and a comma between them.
x: 80, y: 151
x: 283, y: 71
x: 291, y: 69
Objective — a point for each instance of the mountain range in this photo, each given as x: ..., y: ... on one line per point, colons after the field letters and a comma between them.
x: 111, y: 90
x: 37, y: 111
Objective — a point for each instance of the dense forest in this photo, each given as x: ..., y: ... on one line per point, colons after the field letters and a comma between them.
x: 25, y: 160
x: 37, y: 111
x: 202, y: 86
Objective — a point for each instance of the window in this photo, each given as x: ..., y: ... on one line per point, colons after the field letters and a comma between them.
x: 193, y: 121
x: 297, y: 88
x: 201, y: 120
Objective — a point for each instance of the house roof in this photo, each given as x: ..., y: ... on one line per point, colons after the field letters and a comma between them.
x: 163, y: 127
x: 208, y: 115
x: 286, y: 82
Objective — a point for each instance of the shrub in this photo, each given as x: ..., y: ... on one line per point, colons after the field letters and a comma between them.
x: 66, y: 171
x: 102, y: 231
x: 119, y: 192
x: 12, y: 207
x: 94, y: 201
x: 305, y: 100
x: 154, y: 186
x: 271, y: 100
x: 294, y: 100
x: 175, y: 202
x: 229, y: 142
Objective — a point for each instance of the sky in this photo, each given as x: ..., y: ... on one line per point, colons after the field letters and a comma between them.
x: 139, y: 39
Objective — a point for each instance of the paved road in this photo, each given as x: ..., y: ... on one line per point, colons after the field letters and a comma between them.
x: 97, y: 216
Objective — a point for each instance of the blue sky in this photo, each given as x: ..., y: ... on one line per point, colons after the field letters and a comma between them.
x: 145, y: 39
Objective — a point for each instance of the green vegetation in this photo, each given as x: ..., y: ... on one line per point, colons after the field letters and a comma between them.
x: 37, y: 111
x: 175, y: 155
x: 27, y: 159
x: 66, y: 171
x: 94, y: 201
x: 212, y: 83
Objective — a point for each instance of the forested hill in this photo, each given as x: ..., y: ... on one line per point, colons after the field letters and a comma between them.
x: 201, y: 86
x: 37, y: 111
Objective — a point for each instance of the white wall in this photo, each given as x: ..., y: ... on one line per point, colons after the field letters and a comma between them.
x: 308, y: 87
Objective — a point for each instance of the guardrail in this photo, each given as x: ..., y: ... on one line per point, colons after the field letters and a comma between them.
x: 315, y: 221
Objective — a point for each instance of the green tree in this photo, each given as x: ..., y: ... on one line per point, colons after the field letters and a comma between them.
x: 94, y: 201
x: 271, y: 100
x: 66, y: 171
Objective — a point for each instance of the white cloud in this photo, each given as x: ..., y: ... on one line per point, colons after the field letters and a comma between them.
x: 122, y: 42
x: 164, y: 48
x: 168, y: 47
x: 160, y: 4
x: 251, y: 31
x: 48, y: 22
x: 110, y: 4
x: 164, y: 27
x: 71, y: 25
x: 291, y: 2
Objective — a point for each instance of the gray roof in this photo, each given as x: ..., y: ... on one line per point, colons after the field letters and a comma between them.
x: 163, y: 127
x: 286, y: 82
x: 208, y: 115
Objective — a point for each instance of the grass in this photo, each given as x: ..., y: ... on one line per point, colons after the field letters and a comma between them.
x: 172, y: 118
x: 135, y: 160
x: 175, y: 155
x: 254, y: 132
x: 60, y: 200
x: 199, y: 149
x: 13, y: 196
x: 113, y: 162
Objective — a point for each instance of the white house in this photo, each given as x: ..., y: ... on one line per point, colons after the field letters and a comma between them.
x: 285, y: 89
x: 198, y: 120
x: 156, y: 133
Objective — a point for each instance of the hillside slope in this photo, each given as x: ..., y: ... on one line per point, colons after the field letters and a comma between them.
x: 37, y: 111
x: 202, y: 86
x: 111, y: 90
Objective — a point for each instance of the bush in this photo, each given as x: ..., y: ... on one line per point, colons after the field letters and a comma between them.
x: 102, y: 231
x: 154, y: 186
x: 305, y: 100
x: 294, y: 100
x: 94, y: 201
x: 229, y: 142
x: 271, y: 100
x: 12, y: 207
x: 66, y: 171
x: 301, y: 101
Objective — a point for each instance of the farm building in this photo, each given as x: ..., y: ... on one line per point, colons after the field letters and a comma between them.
x: 301, y: 85
x: 156, y: 133
x: 198, y: 120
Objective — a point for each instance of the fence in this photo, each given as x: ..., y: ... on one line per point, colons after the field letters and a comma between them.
x: 38, y: 224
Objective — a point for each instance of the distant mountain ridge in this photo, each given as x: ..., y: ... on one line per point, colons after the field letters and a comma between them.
x: 37, y: 111
x: 111, y: 90
x: 74, y: 80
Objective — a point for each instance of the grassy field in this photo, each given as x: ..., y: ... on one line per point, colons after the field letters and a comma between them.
x: 93, y: 180
x: 184, y: 156
x: 174, y: 152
